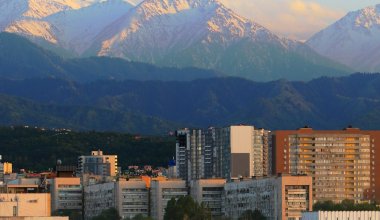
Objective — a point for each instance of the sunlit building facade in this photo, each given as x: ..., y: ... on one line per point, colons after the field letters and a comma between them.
x: 341, y: 163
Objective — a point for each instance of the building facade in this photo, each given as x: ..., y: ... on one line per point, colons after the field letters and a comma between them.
x: 341, y: 163
x: 66, y: 194
x: 284, y: 197
x: 231, y: 152
x: 130, y: 198
x: 354, y: 215
x: 5, y: 168
x: 162, y: 191
x: 25, y: 205
x: 98, y: 164
x: 209, y: 192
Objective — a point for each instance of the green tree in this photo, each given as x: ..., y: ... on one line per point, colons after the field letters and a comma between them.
x: 252, y: 215
x: 185, y: 208
x: 72, y: 214
x: 345, y: 205
x: 139, y: 217
x: 108, y: 214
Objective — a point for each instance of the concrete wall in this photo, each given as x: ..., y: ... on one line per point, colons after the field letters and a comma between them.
x: 33, y: 204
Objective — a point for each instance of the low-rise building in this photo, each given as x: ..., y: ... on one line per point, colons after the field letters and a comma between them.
x: 209, y: 192
x: 162, y: 191
x: 282, y: 197
x: 343, y: 215
x: 25, y: 204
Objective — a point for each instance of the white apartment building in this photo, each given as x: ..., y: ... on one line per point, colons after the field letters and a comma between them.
x: 162, y: 191
x: 283, y: 197
x: 130, y: 198
x: 210, y: 193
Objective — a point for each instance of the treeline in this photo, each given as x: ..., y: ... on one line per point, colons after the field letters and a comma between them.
x: 38, y: 149
x: 345, y: 205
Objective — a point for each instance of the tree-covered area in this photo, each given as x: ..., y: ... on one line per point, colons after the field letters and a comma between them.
x: 38, y: 149
x: 185, y: 208
x: 252, y: 215
x: 345, y: 205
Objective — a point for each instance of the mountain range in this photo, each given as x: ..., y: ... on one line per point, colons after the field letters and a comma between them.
x: 354, y: 40
x: 173, y: 33
x: 152, y: 107
x: 21, y: 59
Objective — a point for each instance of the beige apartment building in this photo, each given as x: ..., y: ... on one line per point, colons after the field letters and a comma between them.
x: 98, y: 164
x: 66, y: 193
x: 283, y: 197
x: 209, y: 192
x: 162, y: 191
x: 341, y: 163
x: 25, y: 205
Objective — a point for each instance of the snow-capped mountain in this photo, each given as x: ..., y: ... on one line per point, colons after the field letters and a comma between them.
x: 159, y: 26
x: 353, y: 40
x: 180, y: 33
x: 70, y: 24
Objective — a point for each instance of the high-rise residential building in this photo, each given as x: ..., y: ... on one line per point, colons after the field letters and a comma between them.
x: 66, y: 194
x: 282, y: 197
x: 342, y: 163
x: 209, y: 192
x: 98, y: 164
x: 231, y: 152
x: 130, y: 198
x: 161, y: 192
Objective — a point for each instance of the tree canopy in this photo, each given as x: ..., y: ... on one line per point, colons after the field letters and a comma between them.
x: 185, y: 208
x: 108, y: 214
x: 252, y: 215
x: 345, y: 205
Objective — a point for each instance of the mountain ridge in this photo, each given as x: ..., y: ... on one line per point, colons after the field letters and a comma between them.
x: 181, y: 33
x: 353, y: 40
x: 324, y: 103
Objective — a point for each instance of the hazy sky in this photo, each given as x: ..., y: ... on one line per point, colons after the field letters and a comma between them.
x: 297, y: 19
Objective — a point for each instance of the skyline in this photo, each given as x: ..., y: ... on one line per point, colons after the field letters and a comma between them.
x: 279, y: 15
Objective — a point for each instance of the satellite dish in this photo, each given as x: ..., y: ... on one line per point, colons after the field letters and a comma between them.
x: 59, y: 162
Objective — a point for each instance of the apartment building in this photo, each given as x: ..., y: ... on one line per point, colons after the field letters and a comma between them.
x: 162, y: 191
x: 354, y: 215
x: 282, y: 197
x: 66, y: 193
x: 209, y: 192
x: 130, y: 198
x: 98, y: 164
x: 25, y: 205
x: 5, y: 168
x: 341, y: 163
x: 231, y: 152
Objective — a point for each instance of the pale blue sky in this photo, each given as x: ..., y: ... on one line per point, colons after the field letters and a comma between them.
x: 296, y: 19
x: 348, y: 5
